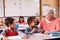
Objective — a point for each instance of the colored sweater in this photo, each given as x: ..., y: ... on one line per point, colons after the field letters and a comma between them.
x: 50, y: 26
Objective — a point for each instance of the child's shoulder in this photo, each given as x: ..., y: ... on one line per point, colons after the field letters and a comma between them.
x: 6, y: 30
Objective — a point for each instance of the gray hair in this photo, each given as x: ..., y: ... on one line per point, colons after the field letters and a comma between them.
x: 50, y: 10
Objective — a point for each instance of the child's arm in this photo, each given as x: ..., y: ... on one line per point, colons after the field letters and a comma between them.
x: 4, y: 32
x: 28, y: 31
x: 34, y: 29
x: 39, y: 30
x: 5, y: 38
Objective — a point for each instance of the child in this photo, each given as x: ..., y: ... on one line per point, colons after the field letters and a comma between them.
x: 37, y: 21
x: 21, y: 20
x: 32, y: 26
x: 10, y: 31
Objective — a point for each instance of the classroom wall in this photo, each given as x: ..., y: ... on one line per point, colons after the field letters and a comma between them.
x: 59, y: 8
x: 50, y: 3
x: 21, y: 8
x: 1, y: 8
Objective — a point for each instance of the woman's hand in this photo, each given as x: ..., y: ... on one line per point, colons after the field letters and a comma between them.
x: 46, y: 32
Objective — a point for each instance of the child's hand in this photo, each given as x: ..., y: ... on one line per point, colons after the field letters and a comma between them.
x: 34, y: 29
x: 25, y: 37
x: 5, y: 38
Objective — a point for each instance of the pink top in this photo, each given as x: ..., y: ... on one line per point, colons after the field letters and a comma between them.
x: 50, y: 26
x: 22, y: 22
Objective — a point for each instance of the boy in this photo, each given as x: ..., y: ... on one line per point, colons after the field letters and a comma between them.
x: 10, y: 31
x: 32, y: 26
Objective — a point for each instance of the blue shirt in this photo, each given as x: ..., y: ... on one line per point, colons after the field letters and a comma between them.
x: 28, y: 30
x: 17, y: 26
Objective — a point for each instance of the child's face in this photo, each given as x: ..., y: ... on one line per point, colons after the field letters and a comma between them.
x: 21, y: 19
x: 33, y: 23
x: 12, y: 25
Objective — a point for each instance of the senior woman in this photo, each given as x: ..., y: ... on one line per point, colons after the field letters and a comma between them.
x: 50, y: 23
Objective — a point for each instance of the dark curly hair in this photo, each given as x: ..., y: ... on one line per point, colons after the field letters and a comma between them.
x: 8, y: 21
x: 30, y: 19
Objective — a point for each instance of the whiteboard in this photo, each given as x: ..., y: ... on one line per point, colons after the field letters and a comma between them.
x: 1, y: 8
x: 22, y: 8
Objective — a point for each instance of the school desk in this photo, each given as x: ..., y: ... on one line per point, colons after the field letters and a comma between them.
x: 36, y: 36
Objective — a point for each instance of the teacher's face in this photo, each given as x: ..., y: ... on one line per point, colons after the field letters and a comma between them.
x: 50, y: 15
